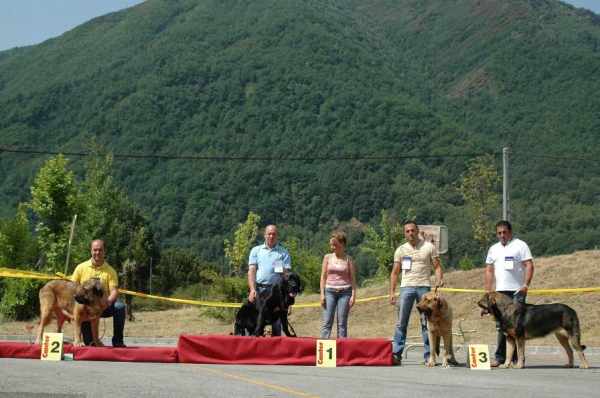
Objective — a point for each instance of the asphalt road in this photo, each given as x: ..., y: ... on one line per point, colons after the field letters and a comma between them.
x: 544, y: 377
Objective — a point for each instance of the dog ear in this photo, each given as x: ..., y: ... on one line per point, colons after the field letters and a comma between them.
x: 491, y: 301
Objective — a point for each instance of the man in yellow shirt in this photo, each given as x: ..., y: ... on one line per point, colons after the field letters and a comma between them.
x: 97, y: 268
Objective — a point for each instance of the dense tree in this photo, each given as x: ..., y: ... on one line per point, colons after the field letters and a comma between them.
x: 17, y: 247
x: 326, y: 111
x: 479, y: 189
x: 55, y: 199
x: 238, y: 252
x: 383, y: 246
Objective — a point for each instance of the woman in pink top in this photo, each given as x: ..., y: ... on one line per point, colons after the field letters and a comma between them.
x: 338, y: 286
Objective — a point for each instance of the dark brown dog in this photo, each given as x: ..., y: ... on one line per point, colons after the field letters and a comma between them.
x: 68, y: 300
x: 438, y: 313
x: 522, y: 322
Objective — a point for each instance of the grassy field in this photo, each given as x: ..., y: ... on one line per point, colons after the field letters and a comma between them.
x: 375, y: 317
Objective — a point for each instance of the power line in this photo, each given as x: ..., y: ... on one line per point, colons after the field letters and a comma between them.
x: 294, y: 158
x: 245, y: 158
x: 554, y: 157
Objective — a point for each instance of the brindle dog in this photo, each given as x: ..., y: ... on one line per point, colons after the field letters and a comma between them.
x: 522, y: 322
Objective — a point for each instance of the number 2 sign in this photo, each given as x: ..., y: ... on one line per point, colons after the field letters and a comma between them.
x: 52, y: 347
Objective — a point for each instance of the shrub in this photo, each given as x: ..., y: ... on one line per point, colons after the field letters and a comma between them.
x: 20, y: 301
x: 466, y: 264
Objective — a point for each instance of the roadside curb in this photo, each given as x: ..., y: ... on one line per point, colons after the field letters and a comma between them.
x: 150, y: 341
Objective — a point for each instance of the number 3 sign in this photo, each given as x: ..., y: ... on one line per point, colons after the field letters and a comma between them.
x: 478, y: 357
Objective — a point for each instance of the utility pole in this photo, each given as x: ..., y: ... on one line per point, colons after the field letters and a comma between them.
x: 505, y: 197
x: 70, y: 243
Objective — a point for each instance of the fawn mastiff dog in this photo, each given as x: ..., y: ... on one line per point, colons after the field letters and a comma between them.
x: 68, y: 300
x: 522, y: 322
x: 438, y: 314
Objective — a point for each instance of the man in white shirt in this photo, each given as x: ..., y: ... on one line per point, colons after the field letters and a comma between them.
x: 510, y: 263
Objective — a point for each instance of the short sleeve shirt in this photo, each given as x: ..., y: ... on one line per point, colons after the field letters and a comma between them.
x: 509, y: 270
x: 266, y: 259
x: 86, y: 271
x: 420, y: 257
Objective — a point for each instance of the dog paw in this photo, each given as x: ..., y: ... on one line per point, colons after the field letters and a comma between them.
x: 430, y: 363
x: 98, y: 344
x: 504, y: 366
x: 584, y: 366
x: 518, y: 366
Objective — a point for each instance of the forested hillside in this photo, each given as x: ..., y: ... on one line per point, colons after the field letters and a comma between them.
x: 319, y: 114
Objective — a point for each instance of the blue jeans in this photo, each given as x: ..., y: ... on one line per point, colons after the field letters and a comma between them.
x: 118, y: 313
x: 340, y: 299
x: 408, y: 297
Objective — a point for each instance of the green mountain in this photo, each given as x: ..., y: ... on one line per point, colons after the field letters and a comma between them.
x: 317, y: 114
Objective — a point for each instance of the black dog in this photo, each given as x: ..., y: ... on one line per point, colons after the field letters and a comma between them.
x: 270, y: 305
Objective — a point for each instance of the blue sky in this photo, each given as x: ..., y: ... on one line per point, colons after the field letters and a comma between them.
x: 26, y: 22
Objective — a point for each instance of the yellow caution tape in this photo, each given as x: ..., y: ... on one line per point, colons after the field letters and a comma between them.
x: 10, y: 273
x: 193, y: 302
x: 531, y: 291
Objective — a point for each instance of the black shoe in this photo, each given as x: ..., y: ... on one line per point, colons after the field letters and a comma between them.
x: 396, y: 361
x: 119, y: 345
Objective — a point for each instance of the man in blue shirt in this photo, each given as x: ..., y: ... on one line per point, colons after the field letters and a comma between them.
x: 267, y: 263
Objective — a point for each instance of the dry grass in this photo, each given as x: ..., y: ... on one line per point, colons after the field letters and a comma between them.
x: 376, y: 318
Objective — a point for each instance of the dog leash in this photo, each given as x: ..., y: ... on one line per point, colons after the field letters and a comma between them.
x: 292, y: 329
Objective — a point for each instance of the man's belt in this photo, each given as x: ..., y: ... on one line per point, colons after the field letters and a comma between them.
x: 263, y: 284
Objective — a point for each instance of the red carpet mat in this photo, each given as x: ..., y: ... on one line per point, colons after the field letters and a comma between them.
x: 129, y: 354
x: 279, y: 350
x: 225, y: 350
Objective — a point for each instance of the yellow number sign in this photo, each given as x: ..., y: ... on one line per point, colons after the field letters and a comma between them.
x: 326, y: 353
x: 478, y: 357
x: 52, y: 347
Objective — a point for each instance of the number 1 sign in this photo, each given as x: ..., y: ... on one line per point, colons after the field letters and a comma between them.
x: 326, y: 353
